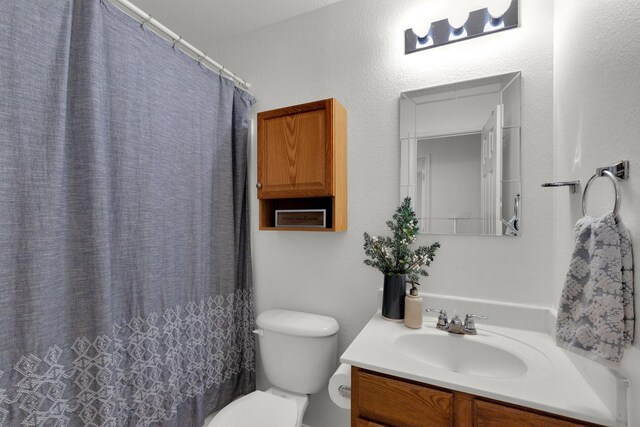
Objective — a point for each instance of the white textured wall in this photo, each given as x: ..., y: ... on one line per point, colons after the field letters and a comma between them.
x: 353, y: 51
x: 597, y: 123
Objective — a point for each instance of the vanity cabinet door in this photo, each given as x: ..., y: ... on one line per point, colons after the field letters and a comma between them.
x: 495, y: 415
x: 396, y: 403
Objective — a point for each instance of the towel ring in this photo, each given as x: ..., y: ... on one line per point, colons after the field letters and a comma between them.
x: 616, y: 187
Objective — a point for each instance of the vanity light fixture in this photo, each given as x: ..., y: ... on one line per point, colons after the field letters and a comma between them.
x: 479, y: 23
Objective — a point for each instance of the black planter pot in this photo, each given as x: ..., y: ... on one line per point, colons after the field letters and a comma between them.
x: 393, y: 294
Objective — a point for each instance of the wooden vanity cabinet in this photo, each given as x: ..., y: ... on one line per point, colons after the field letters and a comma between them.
x: 379, y: 400
x: 302, y: 163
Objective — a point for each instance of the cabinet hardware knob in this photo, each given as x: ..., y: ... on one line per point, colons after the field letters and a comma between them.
x: 258, y: 186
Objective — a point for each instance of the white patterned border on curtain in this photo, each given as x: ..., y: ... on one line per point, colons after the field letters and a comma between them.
x: 173, y: 356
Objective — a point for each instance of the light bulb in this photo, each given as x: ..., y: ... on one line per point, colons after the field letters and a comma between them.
x: 497, y: 8
x: 421, y: 30
x: 458, y: 17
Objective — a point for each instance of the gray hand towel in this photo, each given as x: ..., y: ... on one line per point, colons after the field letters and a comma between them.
x: 596, y: 313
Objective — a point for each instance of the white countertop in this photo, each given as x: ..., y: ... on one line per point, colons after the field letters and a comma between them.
x: 551, y: 383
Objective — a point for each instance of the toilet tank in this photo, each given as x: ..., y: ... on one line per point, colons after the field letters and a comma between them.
x: 298, y: 350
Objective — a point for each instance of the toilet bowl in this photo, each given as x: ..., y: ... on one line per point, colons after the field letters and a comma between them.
x: 298, y: 352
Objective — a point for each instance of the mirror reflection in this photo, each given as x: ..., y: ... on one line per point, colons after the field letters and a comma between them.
x: 460, y: 150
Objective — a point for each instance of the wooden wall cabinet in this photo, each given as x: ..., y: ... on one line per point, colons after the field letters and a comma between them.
x: 379, y: 400
x: 302, y: 162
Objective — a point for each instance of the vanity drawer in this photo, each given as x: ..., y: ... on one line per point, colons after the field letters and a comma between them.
x: 496, y: 415
x: 396, y: 403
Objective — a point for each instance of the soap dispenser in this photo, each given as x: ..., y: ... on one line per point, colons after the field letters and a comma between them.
x: 413, y: 308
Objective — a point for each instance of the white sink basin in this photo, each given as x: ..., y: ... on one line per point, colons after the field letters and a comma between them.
x: 461, y: 354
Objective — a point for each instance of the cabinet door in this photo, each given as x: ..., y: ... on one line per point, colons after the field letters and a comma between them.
x: 295, y: 151
x: 495, y: 415
x: 393, y: 402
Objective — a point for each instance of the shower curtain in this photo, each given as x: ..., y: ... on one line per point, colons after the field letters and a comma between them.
x: 125, y: 277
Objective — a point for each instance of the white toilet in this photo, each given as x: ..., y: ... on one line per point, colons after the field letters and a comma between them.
x: 298, y: 352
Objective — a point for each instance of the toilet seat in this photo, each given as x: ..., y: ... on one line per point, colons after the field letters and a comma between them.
x: 258, y: 409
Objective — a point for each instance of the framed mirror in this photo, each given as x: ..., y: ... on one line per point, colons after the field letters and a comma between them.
x: 460, y: 156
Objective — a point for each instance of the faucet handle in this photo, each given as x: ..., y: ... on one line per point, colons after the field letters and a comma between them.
x: 443, y: 321
x: 470, y: 324
x: 457, y: 320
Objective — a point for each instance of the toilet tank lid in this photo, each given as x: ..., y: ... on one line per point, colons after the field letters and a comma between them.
x: 297, y: 323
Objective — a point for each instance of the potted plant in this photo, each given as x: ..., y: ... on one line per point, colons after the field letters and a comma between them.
x: 396, y: 260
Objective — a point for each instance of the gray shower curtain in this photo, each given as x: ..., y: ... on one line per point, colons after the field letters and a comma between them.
x: 125, y: 277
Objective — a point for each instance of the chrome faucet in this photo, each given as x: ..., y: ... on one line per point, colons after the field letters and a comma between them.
x: 456, y: 326
x: 470, y: 324
x: 443, y: 321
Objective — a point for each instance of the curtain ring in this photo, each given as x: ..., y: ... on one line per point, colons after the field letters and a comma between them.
x: 144, y: 21
x: 201, y: 58
x: 616, y: 187
x: 176, y: 41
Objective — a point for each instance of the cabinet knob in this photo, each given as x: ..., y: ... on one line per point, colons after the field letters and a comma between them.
x: 258, y: 186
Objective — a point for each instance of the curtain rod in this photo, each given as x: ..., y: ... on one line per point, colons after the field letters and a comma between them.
x: 146, y: 19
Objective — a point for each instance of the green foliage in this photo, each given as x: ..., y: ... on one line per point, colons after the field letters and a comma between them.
x: 392, y: 255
